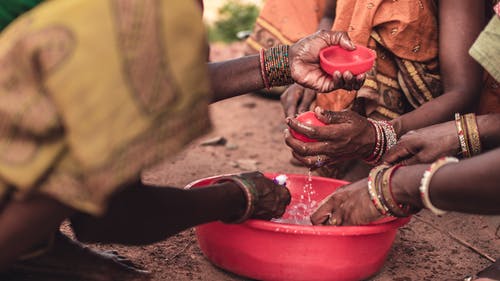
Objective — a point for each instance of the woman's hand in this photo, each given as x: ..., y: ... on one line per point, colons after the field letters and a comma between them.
x: 305, y: 67
x: 297, y: 99
x: 348, y: 205
x: 272, y: 198
x: 425, y: 145
x: 347, y: 135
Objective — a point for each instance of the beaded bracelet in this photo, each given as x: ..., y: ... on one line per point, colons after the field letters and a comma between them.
x: 372, y: 190
x: 461, y: 136
x: 426, y: 180
x: 251, y: 195
x: 395, y: 209
x: 474, y: 142
x: 275, y: 66
x: 263, y: 70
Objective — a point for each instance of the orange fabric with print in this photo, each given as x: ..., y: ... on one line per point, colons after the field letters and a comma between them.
x: 397, y: 30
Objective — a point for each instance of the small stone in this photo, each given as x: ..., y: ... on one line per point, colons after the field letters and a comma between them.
x: 231, y: 146
x: 247, y: 164
x: 215, y: 141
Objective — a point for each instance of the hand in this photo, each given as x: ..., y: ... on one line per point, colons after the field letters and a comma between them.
x: 272, y: 198
x: 347, y: 135
x: 348, y: 205
x: 304, y: 63
x: 297, y: 99
x: 425, y: 145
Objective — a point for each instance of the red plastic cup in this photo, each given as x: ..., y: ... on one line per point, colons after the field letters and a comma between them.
x: 308, y: 118
x: 335, y: 58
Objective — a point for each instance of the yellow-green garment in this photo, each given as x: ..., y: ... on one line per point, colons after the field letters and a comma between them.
x: 486, y: 51
x: 93, y: 91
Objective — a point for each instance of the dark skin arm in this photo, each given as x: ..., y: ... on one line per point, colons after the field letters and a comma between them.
x: 136, y: 215
x: 470, y: 186
x: 460, y: 24
x: 239, y: 76
x: 428, y: 144
x: 147, y: 214
x: 328, y: 17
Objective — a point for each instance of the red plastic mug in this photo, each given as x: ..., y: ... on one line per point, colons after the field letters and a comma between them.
x: 308, y: 118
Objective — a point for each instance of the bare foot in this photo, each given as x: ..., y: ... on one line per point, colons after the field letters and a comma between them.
x: 71, y: 260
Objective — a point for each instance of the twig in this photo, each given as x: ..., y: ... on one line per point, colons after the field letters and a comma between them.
x: 457, y: 239
x: 180, y: 252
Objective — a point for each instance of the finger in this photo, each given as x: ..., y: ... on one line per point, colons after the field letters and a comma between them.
x: 289, y: 100
x: 348, y: 79
x: 306, y: 148
x: 338, y: 82
x: 335, y: 219
x: 313, y: 162
x: 345, y: 42
x: 398, y: 153
x: 307, y: 99
x: 332, y: 117
x: 359, y: 81
x: 324, y: 211
x: 286, y: 195
x: 411, y: 161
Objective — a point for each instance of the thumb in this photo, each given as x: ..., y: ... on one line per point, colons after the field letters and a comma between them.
x: 344, y: 41
x: 332, y: 117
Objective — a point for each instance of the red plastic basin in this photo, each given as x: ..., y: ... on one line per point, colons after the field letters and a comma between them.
x: 266, y: 250
x: 335, y: 58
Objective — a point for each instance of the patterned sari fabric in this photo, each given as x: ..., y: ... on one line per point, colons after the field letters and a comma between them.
x: 403, y: 33
x: 93, y: 91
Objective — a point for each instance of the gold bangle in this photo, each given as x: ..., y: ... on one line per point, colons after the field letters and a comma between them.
x: 395, y: 209
x: 461, y: 136
x: 473, y: 133
x: 248, y: 189
x: 372, y: 189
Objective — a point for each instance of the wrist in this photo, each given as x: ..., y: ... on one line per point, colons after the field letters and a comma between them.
x: 370, y: 142
x: 488, y: 130
x: 250, y: 196
x: 406, y: 183
x: 397, y: 124
x: 275, y: 66
x: 234, y: 201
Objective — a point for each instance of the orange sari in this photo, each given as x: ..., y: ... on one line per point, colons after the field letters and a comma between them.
x: 403, y: 33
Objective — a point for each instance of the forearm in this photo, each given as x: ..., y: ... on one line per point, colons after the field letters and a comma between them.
x: 471, y: 186
x: 461, y: 76
x: 235, y: 77
x: 489, y: 130
x: 147, y: 214
x: 439, y: 110
x: 326, y: 21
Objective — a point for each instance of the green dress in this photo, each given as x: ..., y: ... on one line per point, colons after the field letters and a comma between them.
x: 11, y: 9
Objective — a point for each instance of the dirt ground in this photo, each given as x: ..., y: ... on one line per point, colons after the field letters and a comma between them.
x: 425, y: 249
